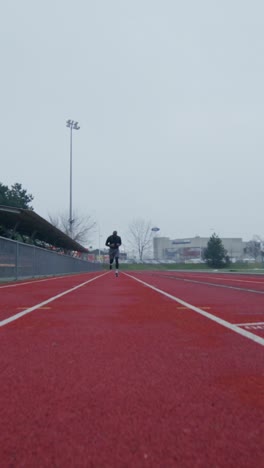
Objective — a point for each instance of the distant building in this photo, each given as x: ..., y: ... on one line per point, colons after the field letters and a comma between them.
x: 191, y: 248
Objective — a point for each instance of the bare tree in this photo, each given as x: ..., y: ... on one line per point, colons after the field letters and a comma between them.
x: 82, y: 226
x: 140, y: 236
x: 254, y: 246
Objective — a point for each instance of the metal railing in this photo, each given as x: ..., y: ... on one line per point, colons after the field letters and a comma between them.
x: 18, y: 260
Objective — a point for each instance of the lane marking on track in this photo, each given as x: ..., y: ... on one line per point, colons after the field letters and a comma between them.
x: 229, y: 278
x: 254, y: 327
x: 183, y: 307
x: 41, y: 304
x: 29, y: 282
x: 213, y: 284
x: 249, y: 324
x: 224, y: 323
x: 36, y: 281
x: 25, y: 308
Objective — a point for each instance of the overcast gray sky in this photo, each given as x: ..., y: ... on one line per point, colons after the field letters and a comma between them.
x: 169, y: 97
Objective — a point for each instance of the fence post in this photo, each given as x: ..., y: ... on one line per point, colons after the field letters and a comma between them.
x: 34, y: 261
x: 16, y: 269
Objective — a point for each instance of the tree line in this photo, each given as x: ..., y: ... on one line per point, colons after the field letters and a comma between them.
x: 15, y: 196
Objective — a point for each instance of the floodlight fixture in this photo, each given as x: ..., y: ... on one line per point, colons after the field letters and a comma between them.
x: 72, y: 125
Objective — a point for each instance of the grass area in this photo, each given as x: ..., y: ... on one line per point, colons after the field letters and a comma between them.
x: 162, y: 266
x: 237, y: 267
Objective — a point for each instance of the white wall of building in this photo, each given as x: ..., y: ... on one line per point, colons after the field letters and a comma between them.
x: 165, y: 248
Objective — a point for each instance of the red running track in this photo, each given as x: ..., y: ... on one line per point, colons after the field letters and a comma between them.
x: 115, y: 374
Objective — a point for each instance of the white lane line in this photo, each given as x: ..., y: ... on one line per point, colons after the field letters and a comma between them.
x: 36, y: 281
x: 255, y: 327
x: 206, y: 283
x: 218, y: 320
x: 41, y: 304
x: 249, y: 324
x: 28, y: 282
x: 229, y: 278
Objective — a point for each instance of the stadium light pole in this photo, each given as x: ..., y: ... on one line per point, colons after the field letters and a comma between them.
x: 154, y: 231
x: 72, y: 125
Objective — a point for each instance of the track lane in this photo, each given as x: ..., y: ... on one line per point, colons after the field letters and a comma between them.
x: 32, y: 295
x: 233, y: 305
x: 191, y: 307
x: 254, y: 283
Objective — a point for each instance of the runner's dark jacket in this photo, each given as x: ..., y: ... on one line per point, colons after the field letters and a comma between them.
x: 113, y: 240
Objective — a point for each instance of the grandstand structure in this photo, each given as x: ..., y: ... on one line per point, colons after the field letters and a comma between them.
x: 29, y: 224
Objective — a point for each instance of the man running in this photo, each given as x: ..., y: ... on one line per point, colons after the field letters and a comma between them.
x: 113, y: 242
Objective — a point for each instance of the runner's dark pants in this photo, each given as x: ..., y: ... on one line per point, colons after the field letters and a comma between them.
x: 114, y: 255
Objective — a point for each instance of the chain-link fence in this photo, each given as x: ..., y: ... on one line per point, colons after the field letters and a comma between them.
x: 18, y: 260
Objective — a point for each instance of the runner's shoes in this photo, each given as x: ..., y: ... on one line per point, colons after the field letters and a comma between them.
x: 116, y: 273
